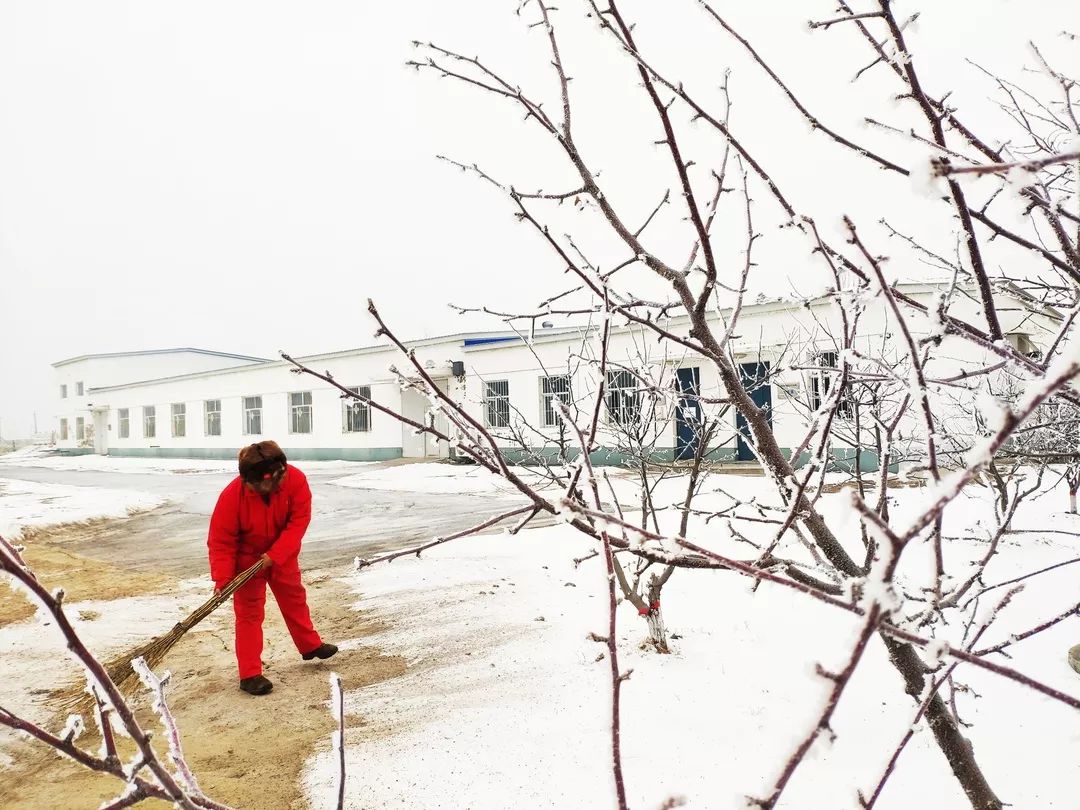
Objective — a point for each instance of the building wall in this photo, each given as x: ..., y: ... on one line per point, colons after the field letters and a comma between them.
x: 273, y: 382
x: 788, y: 337
x: 778, y: 336
x: 101, y: 371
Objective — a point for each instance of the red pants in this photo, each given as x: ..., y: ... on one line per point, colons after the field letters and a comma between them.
x: 249, y: 604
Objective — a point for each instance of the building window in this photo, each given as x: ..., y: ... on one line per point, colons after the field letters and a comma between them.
x: 252, y: 416
x: 63, y: 392
x: 357, y: 414
x: 123, y: 423
x: 149, y: 421
x: 822, y: 379
x: 80, y: 429
x: 550, y: 389
x: 179, y: 419
x: 212, y: 417
x: 78, y: 389
x: 63, y: 430
x: 300, y: 412
x: 623, y: 398
x: 497, y: 403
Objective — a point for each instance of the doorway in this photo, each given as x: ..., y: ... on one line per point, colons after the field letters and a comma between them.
x: 755, y: 378
x: 417, y: 407
x: 101, y: 431
x: 433, y: 448
x: 688, y: 414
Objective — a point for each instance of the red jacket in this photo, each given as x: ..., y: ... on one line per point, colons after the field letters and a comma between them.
x: 243, y: 527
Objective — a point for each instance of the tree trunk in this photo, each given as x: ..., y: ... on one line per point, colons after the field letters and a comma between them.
x: 957, y: 748
x: 657, y: 631
x: 655, y: 619
x: 1072, y: 500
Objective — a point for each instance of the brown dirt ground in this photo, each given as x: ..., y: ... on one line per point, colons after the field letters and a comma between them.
x: 246, y: 752
x: 871, y: 480
x: 81, y: 577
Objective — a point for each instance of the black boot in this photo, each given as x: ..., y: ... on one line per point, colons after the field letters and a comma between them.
x: 256, y: 685
x: 324, y: 650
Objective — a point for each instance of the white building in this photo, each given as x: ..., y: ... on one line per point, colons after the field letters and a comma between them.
x: 80, y: 423
x: 191, y: 403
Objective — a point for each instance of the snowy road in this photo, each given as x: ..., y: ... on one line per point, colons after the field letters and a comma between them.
x: 348, y: 520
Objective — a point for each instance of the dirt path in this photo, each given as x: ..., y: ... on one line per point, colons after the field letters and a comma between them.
x: 49, y: 555
x: 246, y: 752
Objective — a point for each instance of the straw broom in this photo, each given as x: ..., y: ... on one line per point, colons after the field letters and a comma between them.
x: 154, y: 651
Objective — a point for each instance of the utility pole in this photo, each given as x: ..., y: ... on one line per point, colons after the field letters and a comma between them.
x: 35, y: 423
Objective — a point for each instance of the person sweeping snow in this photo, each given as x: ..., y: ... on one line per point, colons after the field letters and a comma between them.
x: 262, y: 515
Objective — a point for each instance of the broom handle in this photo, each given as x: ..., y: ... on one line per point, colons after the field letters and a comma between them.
x: 214, y: 602
x: 236, y: 582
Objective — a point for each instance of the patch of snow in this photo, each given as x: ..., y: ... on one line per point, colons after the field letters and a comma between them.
x: 25, y: 504
x: 37, y: 457
x: 457, y: 479
x: 499, y: 707
x: 36, y: 644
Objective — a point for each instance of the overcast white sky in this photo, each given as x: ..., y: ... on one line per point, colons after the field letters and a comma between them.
x: 242, y: 175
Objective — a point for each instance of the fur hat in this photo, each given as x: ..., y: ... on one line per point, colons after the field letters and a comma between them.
x: 261, y: 460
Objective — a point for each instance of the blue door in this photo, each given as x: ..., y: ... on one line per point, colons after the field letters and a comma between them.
x: 688, y: 414
x: 755, y: 377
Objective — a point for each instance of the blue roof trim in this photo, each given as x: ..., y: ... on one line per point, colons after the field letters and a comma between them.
x: 483, y: 341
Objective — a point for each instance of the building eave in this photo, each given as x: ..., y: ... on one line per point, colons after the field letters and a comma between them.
x: 149, y: 352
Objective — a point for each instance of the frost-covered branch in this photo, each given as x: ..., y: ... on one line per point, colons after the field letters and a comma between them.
x: 107, y: 694
x: 880, y: 603
x: 337, y: 709
x: 1039, y: 628
x: 417, y: 550
x: 943, y: 169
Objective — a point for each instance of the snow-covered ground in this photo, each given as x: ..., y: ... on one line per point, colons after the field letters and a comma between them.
x: 43, y: 457
x: 25, y: 504
x: 435, y: 478
x: 34, y: 645
x: 505, y: 703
